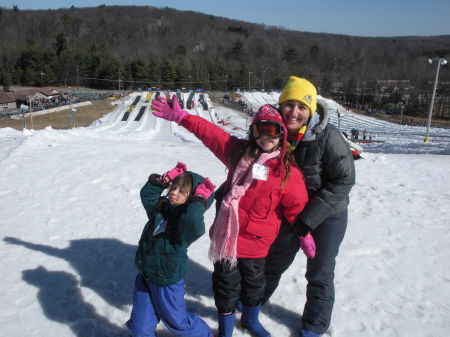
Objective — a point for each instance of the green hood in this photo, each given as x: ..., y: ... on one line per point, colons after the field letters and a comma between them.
x: 197, y: 179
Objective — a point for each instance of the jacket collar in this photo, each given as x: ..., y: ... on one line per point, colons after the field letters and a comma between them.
x: 318, y: 121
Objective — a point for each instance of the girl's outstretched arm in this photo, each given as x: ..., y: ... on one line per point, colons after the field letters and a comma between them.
x: 221, y: 143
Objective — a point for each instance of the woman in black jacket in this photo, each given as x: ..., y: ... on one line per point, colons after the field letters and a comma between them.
x: 327, y: 165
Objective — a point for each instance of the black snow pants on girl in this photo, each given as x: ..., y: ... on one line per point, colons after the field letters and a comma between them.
x: 244, y: 281
x: 319, y: 272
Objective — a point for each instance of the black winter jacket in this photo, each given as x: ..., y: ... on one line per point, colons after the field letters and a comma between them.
x: 327, y: 164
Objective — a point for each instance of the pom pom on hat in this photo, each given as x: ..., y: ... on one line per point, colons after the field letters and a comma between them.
x: 299, y: 89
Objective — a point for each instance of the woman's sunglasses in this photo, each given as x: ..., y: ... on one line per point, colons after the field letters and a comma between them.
x: 271, y: 129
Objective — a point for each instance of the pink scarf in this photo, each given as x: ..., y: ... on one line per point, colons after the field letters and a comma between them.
x: 225, y: 229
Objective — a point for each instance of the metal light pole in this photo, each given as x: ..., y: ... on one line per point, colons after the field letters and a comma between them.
x: 31, y: 113
x: 249, y: 73
x: 440, y: 61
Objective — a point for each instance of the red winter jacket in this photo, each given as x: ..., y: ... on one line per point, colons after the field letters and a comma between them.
x: 264, y: 203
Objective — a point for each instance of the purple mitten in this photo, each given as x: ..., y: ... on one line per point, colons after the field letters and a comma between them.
x: 173, y: 173
x: 169, y: 110
x: 205, y: 189
x: 308, y: 245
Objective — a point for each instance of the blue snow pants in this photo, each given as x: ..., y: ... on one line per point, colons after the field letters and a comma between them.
x: 152, y: 303
x: 319, y: 271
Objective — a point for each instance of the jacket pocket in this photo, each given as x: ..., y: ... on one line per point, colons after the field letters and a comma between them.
x: 261, y: 206
x: 263, y: 228
x: 169, y: 264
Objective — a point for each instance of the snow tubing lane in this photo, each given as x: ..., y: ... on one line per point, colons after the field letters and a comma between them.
x: 140, y: 114
x: 189, y: 100
x: 136, y: 100
x: 125, y: 116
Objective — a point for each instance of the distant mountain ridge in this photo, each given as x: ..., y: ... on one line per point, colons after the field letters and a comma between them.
x: 163, y: 45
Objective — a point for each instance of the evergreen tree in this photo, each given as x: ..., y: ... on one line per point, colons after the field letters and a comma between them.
x: 350, y: 91
x: 138, y: 70
x: 168, y: 73
x: 60, y: 44
x: 290, y: 55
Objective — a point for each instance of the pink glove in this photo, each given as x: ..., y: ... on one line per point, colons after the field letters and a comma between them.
x: 169, y: 110
x: 308, y: 245
x: 205, y: 189
x: 173, y: 173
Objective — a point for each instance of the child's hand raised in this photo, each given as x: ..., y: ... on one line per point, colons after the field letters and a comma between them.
x: 173, y: 173
x: 205, y: 189
x: 169, y: 110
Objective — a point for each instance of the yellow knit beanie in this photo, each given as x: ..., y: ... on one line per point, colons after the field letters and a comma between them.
x: 299, y: 89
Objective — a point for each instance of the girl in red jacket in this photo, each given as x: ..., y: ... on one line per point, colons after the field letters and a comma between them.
x: 262, y: 186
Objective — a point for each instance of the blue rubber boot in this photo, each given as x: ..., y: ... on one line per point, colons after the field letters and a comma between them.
x: 250, y: 321
x: 308, y: 333
x: 226, y: 325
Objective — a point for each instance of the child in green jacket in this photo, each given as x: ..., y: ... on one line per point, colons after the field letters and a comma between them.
x: 175, y: 221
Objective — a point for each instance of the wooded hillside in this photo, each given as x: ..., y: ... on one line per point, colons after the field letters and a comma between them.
x: 112, y: 46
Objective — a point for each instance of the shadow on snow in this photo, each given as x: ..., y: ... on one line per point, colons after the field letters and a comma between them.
x: 106, y: 266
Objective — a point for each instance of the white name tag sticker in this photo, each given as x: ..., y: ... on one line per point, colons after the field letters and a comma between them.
x: 260, y: 172
x: 160, y: 228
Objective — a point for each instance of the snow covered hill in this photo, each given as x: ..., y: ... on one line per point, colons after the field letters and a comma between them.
x: 71, y: 218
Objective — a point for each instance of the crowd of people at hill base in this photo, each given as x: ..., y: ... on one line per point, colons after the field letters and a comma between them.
x: 44, y: 103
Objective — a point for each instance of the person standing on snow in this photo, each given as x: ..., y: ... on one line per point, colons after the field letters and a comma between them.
x: 262, y: 186
x: 327, y: 165
x: 175, y: 222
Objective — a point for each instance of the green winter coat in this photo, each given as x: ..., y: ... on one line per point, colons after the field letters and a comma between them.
x: 162, y: 259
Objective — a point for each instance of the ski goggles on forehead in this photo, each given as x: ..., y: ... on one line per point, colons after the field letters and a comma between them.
x: 269, y: 128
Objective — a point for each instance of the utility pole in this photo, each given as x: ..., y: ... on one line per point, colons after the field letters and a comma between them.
x: 119, y: 80
x: 31, y: 113
x: 363, y: 91
x: 264, y: 77
x: 249, y: 73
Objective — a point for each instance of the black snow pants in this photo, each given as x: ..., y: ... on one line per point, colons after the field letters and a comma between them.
x: 319, y: 272
x: 245, y: 281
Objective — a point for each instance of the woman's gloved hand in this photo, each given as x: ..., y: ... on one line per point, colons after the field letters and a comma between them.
x: 308, y: 245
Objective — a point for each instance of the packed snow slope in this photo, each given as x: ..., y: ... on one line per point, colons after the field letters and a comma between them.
x: 71, y: 218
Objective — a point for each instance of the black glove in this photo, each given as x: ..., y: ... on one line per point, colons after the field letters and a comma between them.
x: 155, y: 179
x: 300, y: 228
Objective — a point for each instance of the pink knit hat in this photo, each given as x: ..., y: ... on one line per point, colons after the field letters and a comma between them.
x: 269, y: 113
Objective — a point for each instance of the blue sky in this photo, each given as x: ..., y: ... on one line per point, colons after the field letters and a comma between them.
x: 349, y: 17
